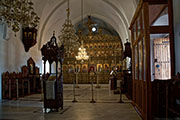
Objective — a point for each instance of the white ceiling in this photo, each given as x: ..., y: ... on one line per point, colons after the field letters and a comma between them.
x: 117, y: 13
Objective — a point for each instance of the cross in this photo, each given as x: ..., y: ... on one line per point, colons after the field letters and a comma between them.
x: 89, y: 24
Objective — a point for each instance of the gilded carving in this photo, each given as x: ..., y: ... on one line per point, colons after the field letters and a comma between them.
x: 102, y: 49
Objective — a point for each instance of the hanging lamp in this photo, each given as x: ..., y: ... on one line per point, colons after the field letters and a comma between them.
x: 82, y: 54
x: 68, y: 38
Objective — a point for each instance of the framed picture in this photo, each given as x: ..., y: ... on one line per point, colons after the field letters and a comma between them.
x: 99, y: 67
x: 37, y: 70
x: 31, y: 66
x: 84, y: 68
x: 106, y: 67
x: 91, y: 68
x: 118, y: 68
x: 71, y: 68
x: 65, y: 69
x: 24, y: 70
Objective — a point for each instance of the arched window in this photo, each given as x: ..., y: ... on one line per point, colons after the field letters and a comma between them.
x: 5, y: 32
x: 47, y: 67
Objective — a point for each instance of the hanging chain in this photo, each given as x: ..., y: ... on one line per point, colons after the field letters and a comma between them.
x: 82, y: 11
x: 68, y: 11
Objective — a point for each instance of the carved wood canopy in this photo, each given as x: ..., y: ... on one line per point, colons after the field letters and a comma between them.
x: 51, y: 52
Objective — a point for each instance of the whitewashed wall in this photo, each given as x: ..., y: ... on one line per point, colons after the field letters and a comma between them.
x: 176, y: 14
x: 13, y: 55
x: 3, y: 56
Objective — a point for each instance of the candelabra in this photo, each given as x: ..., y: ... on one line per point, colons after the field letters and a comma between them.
x: 82, y: 54
x: 18, y: 12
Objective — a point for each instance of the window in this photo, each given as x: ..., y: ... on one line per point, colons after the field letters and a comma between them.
x: 47, y: 67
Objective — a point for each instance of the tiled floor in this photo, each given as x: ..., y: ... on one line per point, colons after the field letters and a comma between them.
x: 105, y: 108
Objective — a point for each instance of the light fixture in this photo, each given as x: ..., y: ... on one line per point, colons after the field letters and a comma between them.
x: 82, y: 54
x: 68, y: 37
x: 18, y: 12
x: 94, y: 29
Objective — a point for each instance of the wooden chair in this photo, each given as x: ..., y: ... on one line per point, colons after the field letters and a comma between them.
x: 5, y: 85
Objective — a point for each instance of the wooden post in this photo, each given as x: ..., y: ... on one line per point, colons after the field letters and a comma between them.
x: 167, y: 101
x: 50, y: 64
x: 17, y: 89
x: 23, y: 87
x: 44, y: 81
x: 171, y: 32
x: 56, y: 89
x: 148, y: 91
x: 29, y: 87
x: 10, y: 88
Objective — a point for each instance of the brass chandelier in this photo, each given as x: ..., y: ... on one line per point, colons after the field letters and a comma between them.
x: 82, y: 54
x: 18, y: 12
x: 68, y: 37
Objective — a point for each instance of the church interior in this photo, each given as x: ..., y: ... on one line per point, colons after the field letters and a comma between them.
x: 89, y: 59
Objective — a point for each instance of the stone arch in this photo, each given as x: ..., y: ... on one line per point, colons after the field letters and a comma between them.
x: 121, y: 16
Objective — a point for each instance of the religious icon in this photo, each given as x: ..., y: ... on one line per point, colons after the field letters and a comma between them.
x: 95, y: 45
x: 34, y: 36
x: 92, y: 53
x: 31, y: 68
x: 25, y: 34
x: 114, y: 45
x: 84, y: 68
x: 65, y: 68
x: 102, y: 45
x: 71, y: 68
x: 106, y: 45
x: 118, y: 45
x: 72, y: 54
x: 99, y: 67
x: 99, y: 45
x: 91, y: 69
x: 37, y: 70
x: 106, y: 67
x: 91, y: 45
x: 30, y: 35
x: 118, y: 68
x: 77, y: 68
x: 110, y: 45
x: 87, y: 46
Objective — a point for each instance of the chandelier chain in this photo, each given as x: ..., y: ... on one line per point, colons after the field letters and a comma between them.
x: 82, y: 54
x: 82, y: 11
x: 68, y: 37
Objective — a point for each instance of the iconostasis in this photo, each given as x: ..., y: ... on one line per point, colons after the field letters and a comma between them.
x: 104, y: 51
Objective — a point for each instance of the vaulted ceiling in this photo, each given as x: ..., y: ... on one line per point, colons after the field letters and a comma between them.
x: 117, y: 13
